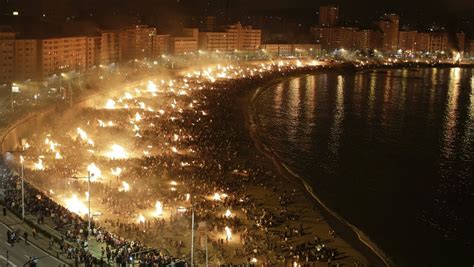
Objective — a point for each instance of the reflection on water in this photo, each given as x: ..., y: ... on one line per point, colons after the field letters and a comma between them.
x: 450, y: 119
x: 336, y: 129
x: 392, y: 151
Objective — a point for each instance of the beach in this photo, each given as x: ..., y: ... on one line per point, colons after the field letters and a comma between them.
x: 255, y: 209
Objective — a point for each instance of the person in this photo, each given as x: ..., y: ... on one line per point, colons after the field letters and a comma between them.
x: 25, y: 236
x: 34, y: 233
x: 9, y: 234
x: 51, y: 242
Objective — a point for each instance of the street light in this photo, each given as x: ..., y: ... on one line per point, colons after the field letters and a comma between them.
x: 89, y: 175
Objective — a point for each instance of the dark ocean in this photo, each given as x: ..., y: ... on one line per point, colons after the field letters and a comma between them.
x: 391, y: 151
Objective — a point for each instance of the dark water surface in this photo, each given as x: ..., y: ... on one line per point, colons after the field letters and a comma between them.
x: 392, y: 151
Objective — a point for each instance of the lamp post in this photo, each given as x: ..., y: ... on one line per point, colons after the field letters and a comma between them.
x: 89, y: 175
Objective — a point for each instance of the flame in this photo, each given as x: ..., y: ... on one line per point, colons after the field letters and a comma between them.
x: 228, y: 233
x: 75, y: 205
x: 58, y: 156
x: 151, y: 87
x: 83, y: 135
x: 39, y: 166
x: 228, y: 214
x: 117, y: 171
x: 158, y: 209
x: 95, y: 172
x: 141, y: 218
x: 117, y: 152
x: 125, y: 187
x: 138, y: 117
x: 110, y: 104
x: 217, y: 197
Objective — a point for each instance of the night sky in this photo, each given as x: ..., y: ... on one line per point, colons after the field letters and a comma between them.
x: 418, y: 14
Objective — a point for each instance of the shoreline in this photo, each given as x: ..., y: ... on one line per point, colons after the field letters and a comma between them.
x: 350, y: 233
x: 250, y: 89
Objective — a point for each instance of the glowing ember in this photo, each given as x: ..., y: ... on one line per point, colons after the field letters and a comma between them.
x: 173, y: 183
x: 117, y: 152
x: 125, y: 187
x: 26, y: 146
x: 175, y: 137
x: 141, y: 218
x: 83, y: 135
x: 117, y: 171
x: 138, y: 117
x: 39, y: 166
x: 58, y: 156
x: 217, y: 197
x: 151, y: 87
x: 95, y: 172
x: 110, y: 104
x: 174, y: 149
x: 228, y: 233
x: 228, y: 214
x: 158, y: 209
x: 75, y: 205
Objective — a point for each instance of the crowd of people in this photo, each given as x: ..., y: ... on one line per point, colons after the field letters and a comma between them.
x: 191, y: 152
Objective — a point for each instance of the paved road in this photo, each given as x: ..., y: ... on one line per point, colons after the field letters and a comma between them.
x: 20, y: 253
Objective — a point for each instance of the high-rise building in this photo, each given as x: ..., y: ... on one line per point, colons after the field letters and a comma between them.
x: 407, y: 40
x: 328, y: 15
x: 423, y: 42
x: 93, y: 51
x: 389, y: 25
x: 26, y: 59
x: 161, y: 45
x: 235, y: 37
x: 62, y: 54
x: 438, y: 42
x: 7, y: 54
x: 137, y: 42
x: 369, y: 39
x: 335, y: 37
x: 110, y: 47
x: 188, y: 43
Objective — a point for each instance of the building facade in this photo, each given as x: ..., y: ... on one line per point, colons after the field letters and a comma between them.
x: 328, y: 16
x: 292, y: 49
x: 389, y: 25
x: 109, y: 47
x: 57, y: 55
x: 26, y: 59
x: 7, y: 54
x: 407, y: 40
x: 137, y: 42
x: 161, y: 45
x: 188, y: 43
